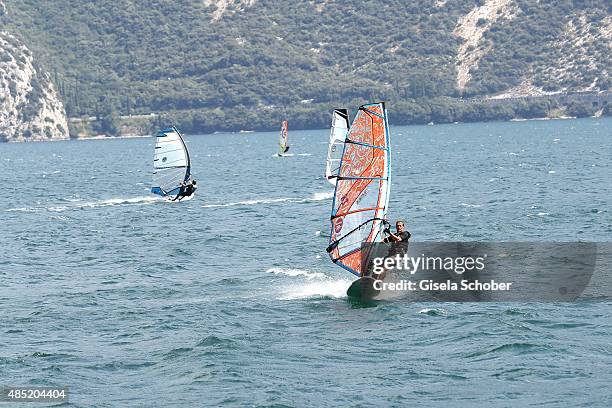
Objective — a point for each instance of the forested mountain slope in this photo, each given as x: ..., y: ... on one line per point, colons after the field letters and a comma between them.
x: 245, y: 64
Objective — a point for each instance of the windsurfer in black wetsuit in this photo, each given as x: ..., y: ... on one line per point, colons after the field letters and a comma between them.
x: 398, y: 242
x: 187, y: 189
x: 400, y: 239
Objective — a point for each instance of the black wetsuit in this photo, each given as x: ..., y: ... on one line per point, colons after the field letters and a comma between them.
x: 188, y: 190
x: 399, y: 247
x: 185, y: 191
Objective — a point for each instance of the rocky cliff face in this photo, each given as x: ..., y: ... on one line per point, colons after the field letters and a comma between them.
x: 30, y: 109
x: 470, y: 28
x: 582, y: 55
x: 231, y: 6
x: 515, y: 48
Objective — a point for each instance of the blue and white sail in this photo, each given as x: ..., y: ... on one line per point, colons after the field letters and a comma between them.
x: 171, y: 163
x: 339, y: 129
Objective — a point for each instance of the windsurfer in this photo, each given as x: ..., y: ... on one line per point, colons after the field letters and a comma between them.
x: 400, y: 236
x: 398, y: 242
x: 187, y: 189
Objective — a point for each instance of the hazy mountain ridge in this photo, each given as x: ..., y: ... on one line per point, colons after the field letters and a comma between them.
x: 245, y: 64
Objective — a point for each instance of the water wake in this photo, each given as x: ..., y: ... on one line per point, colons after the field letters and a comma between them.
x: 250, y: 202
x: 296, y: 272
x: 121, y: 201
x: 310, y: 284
x: 292, y: 154
x: 317, y: 196
x: 76, y: 204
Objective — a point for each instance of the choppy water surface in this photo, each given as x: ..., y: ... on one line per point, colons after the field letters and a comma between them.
x: 229, y: 299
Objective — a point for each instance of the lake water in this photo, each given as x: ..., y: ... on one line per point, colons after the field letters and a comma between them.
x: 230, y: 299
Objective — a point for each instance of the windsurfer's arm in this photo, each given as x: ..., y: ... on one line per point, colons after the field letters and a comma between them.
x: 180, y: 193
x: 405, y: 236
x: 386, y: 230
x: 394, y: 238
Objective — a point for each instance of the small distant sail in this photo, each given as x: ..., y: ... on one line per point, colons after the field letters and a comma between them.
x: 283, y: 145
x: 171, y: 163
x: 362, y: 187
x: 339, y: 128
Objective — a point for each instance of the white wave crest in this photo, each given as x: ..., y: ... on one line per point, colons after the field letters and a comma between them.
x: 433, y: 311
x: 471, y: 205
x: 22, y: 209
x: 322, y: 195
x: 328, y: 288
x: 540, y: 214
x: 296, y: 272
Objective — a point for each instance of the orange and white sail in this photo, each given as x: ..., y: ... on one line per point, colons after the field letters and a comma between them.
x: 363, y: 180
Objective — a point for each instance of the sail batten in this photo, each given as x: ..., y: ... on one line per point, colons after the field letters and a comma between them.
x: 171, y: 163
x: 362, y: 182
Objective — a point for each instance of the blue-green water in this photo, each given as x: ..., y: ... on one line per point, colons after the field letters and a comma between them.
x: 229, y: 299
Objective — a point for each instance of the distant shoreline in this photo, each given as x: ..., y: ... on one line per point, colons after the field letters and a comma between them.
x: 132, y: 136
x: 104, y: 137
x: 99, y: 137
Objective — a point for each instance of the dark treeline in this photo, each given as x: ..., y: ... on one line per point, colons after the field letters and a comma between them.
x: 441, y: 110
